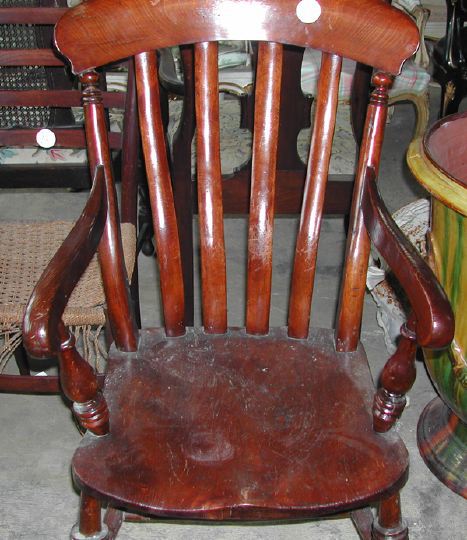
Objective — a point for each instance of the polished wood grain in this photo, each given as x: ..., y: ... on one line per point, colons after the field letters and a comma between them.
x: 434, y: 321
x: 89, y: 515
x: 31, y: 15
x: 294, y: 115
x: 19, y: 384
x: 254, y: 442
x: 211, y: 224
x: 114, y: 276
x: 349, y: 315
x: 83, y: 34
x: 132, y: 175
x: 66, y: 138
x: 257, y: 423
x: 72, y: 136
x: 263, y: 179
x: 389, y: 523
x: 160, y: 192
x: 51, y: 290
x: 44, y: 333
x: 184, y: 188
x: 29, y: 57
x: 55, y: 98
x: 306, y: 250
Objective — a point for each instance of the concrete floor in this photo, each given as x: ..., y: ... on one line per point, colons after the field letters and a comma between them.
x: 38, y: 437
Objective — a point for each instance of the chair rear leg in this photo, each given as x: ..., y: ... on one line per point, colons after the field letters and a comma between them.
x: 89, y: 526
x: 363, y: 522
x: 389, y: 525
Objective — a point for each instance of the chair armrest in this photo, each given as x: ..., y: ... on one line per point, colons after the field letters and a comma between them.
x: 434, y: 324
x: 43, y: 329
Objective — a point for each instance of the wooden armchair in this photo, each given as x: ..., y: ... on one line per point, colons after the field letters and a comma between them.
x: 253, y: 423
x: 26, y: 246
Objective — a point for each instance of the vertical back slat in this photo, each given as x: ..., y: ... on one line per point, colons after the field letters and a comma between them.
x: 263, y: 180
x: 211, y: 226
x: 349, y: 313
x: 114, y: 276
x: 312, y: 207
x: 160, y: 193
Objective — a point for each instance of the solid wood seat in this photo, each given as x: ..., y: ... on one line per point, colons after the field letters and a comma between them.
x: 255, y: 423
x: 211, y: 403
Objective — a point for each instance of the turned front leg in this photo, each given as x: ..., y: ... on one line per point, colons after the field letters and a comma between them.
x: 389, y: 524
x: 80, y: 385
x: 89, y: 526
x: 396, y: 380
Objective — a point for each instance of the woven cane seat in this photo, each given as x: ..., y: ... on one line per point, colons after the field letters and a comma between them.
x: 26, y: 250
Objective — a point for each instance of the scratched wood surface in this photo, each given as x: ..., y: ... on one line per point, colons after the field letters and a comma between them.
x: 247, y: 445
x: 218, y: 423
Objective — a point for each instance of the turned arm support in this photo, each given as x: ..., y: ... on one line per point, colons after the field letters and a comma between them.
x: 44, y: 332
x: 434, y: 320
x: 431, y: 323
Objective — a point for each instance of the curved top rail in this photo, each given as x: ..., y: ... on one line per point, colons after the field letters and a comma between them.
x: 97, y: 32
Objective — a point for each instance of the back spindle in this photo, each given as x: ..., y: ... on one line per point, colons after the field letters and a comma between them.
x: 114, y: 275
x: 349, y: 314
x: 319, y: 156
x: 263, y: 180
x: 211, y: 225
x: 160, y: 193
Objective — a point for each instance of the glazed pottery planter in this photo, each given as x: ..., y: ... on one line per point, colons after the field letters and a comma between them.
x: 439, y: 162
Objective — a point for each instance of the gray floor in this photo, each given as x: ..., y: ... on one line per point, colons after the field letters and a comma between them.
x: 37, y: 498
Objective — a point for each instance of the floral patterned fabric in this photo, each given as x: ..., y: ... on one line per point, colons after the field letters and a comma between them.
x: 236, y: 142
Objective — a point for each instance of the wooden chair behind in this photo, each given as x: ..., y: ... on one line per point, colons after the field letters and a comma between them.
x: 62, y: 96
x: 45, y: 175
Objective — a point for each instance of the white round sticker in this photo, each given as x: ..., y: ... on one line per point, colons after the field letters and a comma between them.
x: 45, y: 138
x: 308, y: 11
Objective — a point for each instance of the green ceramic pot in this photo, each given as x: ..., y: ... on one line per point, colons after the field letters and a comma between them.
x: 439, y: 162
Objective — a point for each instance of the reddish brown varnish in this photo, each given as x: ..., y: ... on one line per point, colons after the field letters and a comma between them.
x: 256, y: 423
x: 213, y: 273
x: 313, y: 198
x: 263, y: 178
x: 66, y: 138
x: 294, y: 115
